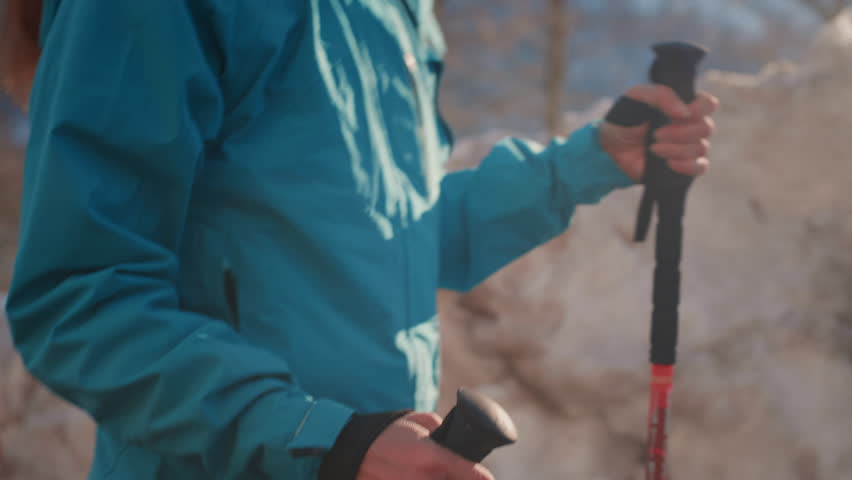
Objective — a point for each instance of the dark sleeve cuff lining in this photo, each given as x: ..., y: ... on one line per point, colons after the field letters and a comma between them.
x: 344, y: 459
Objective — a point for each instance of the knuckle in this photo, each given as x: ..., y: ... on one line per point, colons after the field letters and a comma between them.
x: 434, y: 418
x: 688, y: 134
x: 634, y: 91
x: 684, y: 152
x: 672, y: 105
x: 428, y: 420
x: 666, y: 93
x: 710, y: 125
x: 676, y: 166
x: 710, y: 100
x: 686, y: 168
x: 714, y: 102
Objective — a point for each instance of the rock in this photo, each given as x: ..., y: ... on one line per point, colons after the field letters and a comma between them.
x: 764, y: 378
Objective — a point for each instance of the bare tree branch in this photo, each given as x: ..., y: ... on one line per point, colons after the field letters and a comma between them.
x: 439, y: 9
x: 555, y: 76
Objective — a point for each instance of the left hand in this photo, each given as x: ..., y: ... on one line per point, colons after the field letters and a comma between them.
x: 684, y: 143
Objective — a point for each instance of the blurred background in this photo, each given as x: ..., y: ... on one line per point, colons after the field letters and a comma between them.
x: 764, y: 384
x: 515, y: 64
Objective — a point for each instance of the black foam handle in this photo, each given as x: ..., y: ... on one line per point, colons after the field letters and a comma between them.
x: 475, y: 426
x: 676, y: 66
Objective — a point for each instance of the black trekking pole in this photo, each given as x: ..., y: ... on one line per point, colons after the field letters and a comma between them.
x: 675, y: 66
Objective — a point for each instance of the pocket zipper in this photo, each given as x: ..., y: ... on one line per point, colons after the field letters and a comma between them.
x: 231, y: 296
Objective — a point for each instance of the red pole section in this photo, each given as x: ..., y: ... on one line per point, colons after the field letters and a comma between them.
x: 661, y: 389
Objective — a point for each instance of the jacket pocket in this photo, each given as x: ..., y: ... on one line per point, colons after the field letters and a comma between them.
x: 207, y: 283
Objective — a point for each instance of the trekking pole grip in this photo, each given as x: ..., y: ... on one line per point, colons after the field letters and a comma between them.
x: 675, y: 66
x: 475, y: 426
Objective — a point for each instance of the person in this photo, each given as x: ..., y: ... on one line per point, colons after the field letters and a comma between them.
x: 235, y: 217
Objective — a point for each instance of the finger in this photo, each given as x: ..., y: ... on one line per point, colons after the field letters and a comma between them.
x: 677, y: 151
x: 692, y: 131
x: 459, y: 468
x: 662, y: 98
x: 704, y: 105
x: 480, y: 473
x: 469, y: 471
x: 428, y: 420
x: 691, y: 168
x: 387, y: 470
x: 455, y: 467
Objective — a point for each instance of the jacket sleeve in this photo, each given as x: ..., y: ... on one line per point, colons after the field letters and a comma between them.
x: 520, y: 196
x: 126, y: 98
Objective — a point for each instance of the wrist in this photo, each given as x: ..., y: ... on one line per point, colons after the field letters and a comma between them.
x: 614, y: 150
x: 344, y: 459
x: 588, y: 171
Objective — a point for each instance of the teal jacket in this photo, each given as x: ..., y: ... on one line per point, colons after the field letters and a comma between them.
x: 236, y: 216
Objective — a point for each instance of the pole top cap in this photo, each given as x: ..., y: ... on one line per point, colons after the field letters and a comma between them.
x: 680, y: 52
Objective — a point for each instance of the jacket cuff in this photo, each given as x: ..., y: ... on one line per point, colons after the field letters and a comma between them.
x: 589, y: 173
x: 319, y: 426
x: 299, y: 450
x: 344, y: 459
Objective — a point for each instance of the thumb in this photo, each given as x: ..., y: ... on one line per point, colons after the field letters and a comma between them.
x: 429, y: 421
x: 662, y: 98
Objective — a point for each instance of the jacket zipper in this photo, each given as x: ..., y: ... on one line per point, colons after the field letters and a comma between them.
x: 412, y: 66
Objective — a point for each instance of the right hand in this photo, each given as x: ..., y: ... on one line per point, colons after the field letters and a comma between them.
x: 684, y: 144
x: 404, y: 450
